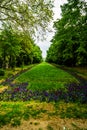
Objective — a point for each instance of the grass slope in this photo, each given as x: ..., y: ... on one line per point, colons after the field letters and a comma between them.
x: 46, y: 77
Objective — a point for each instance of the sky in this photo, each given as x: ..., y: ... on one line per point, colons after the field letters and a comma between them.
x: 44, y: 45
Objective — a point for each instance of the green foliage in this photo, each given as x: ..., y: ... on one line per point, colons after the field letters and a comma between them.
x: 10, y: 47
x: 17, y: 49
x: 37, y: 54
x: 20, y: 20
x: 2, y: 72
x: 69, y: 46
x: 26, y: 15
x: 11, y: 116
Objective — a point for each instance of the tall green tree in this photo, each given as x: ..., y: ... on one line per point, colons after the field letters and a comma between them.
x: 72, y: 44
x: 9, y: 47
x: 17, y: 48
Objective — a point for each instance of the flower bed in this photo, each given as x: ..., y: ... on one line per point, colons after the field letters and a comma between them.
x: 20, y: 92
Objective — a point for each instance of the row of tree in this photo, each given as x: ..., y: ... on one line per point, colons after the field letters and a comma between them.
x: 69, y: 44
x: 17, y: 48
x: 19, y: 21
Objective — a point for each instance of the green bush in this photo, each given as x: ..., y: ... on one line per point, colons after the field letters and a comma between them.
x: 2, y: 72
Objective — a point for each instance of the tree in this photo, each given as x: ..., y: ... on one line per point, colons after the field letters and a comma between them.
x: 72, y: 45
x: 37, y: 54
x: 26, y: 15
x: 9, y: 47
x: 17, y: 48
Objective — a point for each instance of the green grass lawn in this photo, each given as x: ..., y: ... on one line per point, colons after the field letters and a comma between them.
x: 46, y: 77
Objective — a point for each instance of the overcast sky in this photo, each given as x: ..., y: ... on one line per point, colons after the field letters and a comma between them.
x: 44, y: 45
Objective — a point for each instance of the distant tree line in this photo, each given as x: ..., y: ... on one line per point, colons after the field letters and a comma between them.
x: 69, y: 44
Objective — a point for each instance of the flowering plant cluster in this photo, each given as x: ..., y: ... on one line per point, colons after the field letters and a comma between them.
x: 20, y: 92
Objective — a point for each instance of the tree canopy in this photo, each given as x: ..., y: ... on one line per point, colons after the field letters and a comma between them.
x: 19, y: 21
x: 17, y: 49
x: 69, y: 44
x: 26, y: 14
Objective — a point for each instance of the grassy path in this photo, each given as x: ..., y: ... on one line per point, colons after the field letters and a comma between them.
x: 46, y: 77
